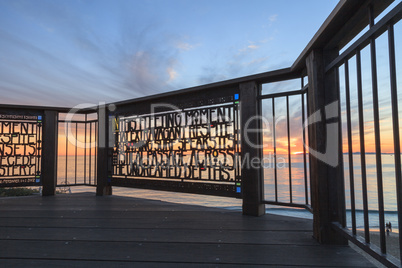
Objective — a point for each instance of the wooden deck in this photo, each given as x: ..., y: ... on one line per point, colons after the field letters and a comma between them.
x: 82, y: 230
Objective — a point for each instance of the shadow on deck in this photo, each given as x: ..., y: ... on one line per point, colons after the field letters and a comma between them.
x: 81, y: 230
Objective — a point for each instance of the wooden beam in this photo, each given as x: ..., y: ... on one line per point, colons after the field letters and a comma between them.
x: 103, y: 183
x: 49, y: 153
x: 325, y: 148
x: 251, y: 149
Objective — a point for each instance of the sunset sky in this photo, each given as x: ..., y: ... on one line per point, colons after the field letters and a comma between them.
x: 65, y: 53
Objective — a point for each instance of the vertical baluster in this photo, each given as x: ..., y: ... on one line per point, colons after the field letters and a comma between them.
x: 304, y: 151
x: 380, y: 190
x: 90, y: 152
x: 76, y: 141
x: 85, y: 150
x: 289, y: 156
x: 274, y: 145
x: 307, y: 144
x: 395, y: 124
x: 350, y: 149
x: 96, y: 153
x: 362, y: 147
x: 66, y: 133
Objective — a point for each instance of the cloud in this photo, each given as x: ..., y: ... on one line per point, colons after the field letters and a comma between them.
x: 273, y: 17
x: 172, y: 74
x: 211, y: 74
x: 257, y: 61
x: 184, y: 46
x: 38, y: 75
x: 249, y: 59
x: 248, y: 48
x: 252, y: 46
x: 57, y: 53
x: 74, y: 62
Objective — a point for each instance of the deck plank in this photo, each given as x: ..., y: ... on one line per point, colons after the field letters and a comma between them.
x: 160, y: 235
x: 82, y: 230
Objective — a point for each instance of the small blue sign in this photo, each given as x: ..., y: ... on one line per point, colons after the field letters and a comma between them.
x: 236, y: 96
x: 238, y: 189
x: 39, y: 117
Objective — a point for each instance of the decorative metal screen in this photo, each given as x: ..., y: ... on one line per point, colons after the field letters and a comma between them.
x: 20, y: 150
x: 190, y: 150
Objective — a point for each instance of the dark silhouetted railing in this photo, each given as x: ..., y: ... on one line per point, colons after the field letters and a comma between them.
x: 77, y: 149
x: 368, y: 104
x: 282, y: 173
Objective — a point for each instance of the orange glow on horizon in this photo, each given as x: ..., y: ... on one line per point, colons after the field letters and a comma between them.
x: 72, y: 141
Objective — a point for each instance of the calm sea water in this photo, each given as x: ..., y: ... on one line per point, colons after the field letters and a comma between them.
x: 297, y: 183
x: 389, y: 186
x: 298, y: 186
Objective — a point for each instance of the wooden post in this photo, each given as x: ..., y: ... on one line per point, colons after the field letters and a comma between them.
x: 251, y: 149
x: 103, y: 185
x: 49, y: 153
x: 325, y: 141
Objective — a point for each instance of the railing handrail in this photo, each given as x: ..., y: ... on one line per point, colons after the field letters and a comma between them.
x: 39, y: 108
x: 379, y: 28
x: 33, y: 107
x: 284, y: 94
x: 346, y: 20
